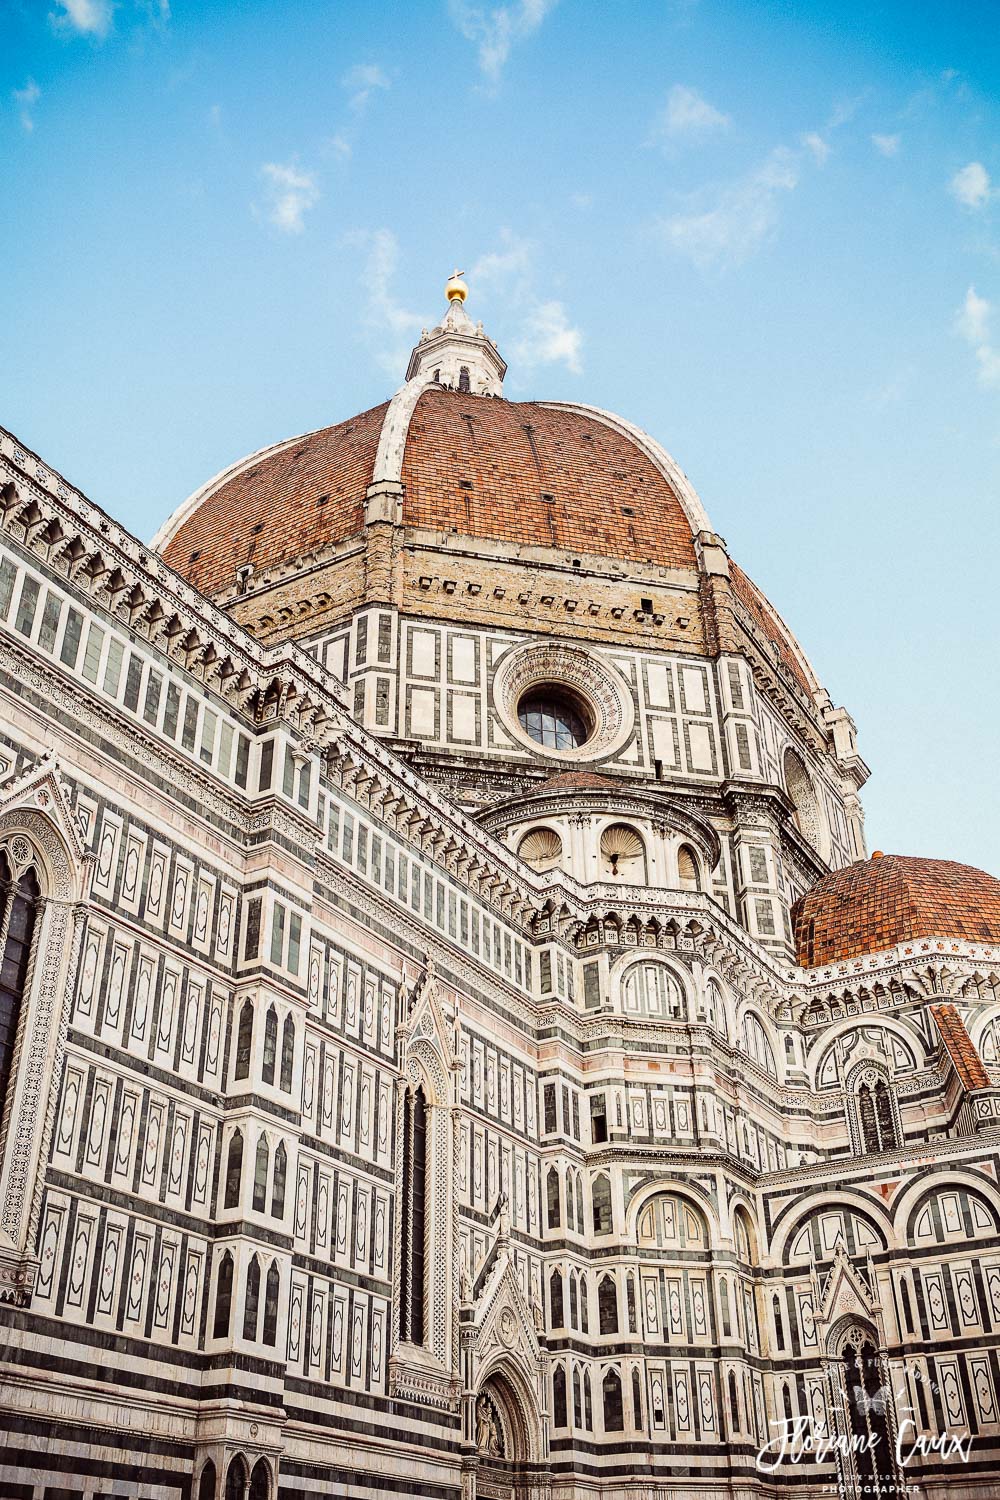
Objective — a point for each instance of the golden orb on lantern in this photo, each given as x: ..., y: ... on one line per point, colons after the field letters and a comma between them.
x: 455, y: 288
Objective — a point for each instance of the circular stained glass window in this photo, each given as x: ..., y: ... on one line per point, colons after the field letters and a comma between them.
x: 554, y: 718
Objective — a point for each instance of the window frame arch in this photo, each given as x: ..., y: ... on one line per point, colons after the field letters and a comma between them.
x: 37, y: 822
x: 879, y: 1127
x: 752, y: 1013
x: 639, y: 965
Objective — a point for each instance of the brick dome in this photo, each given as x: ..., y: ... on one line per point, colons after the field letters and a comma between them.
x: 295, y: 535
x: 877, y: 903
x: 521, y: 473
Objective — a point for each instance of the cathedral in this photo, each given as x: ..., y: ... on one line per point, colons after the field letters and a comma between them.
x: 454, y: 1040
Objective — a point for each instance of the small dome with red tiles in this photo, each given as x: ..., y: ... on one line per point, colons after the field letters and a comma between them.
x: 877, y: 903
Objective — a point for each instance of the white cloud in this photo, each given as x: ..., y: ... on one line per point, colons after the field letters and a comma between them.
x: 86, y: 17
x: 886, y: 145
x: 973, y: 318
x: 545, y: 335
x: 26, y: 99
x: 971, y: 185
x: 290, y: 193
x: 361, y: 82
x: 498, y: 267
x: 742, y: 215
x: 338, y: 145
x: 687, y: 116
x: 972, y: 322
x: 215, y: 116
x: 817, y: 147
x: 548, y: 338
x: 582, y: 200
x: 394, y: 328
x: 495, y: 30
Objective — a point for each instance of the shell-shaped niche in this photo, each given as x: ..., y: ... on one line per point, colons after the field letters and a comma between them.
x: 623, y: 853
x: 541, y: 848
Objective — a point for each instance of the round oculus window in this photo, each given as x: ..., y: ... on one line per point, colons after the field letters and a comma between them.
x: 563, y: 702
x: 554, y: 717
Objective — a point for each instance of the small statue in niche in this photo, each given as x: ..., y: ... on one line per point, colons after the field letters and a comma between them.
x: 487, y: 1428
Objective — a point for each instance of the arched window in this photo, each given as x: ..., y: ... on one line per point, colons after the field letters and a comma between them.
x: 786, y: 1397
x: 867, y: 1399
x: 270, y: 1045
x: 570, y: 1201
x: 687, y: 869
x: 607, y: 1304
x: 875, y: 1113
x: 251, y: 1306
x: 779, y: 1322
x: 727, y: 1327
x: 234, y: 1171
x: 414, y: 1216
x: 584, y: 1304
x: 651, y: 989
x: 223, y: 1296
x: 588, y: 1404
x: 614, y: 1419
x: 989, y: 1042
x: 272, y: 1288
x: 552, y: 1198
x: 463, y: 378
x: 557, y: 1315
x: 715, y: 1009
x: 18, y: 904
x: 244, y: 1042
x: 574, y: 1305
x: 577, y: 1398
x: 278, y: 1182
x: 600, y: 1195
x: 580, y: 1218
x: 633, y: 1316
x: 287, y: 1053
x: 260, y: 1481
x: 260, y: 1176
x: 907, y: 1308
x: 734, y: 1404
x: 559, y: 1397
x: 636, y: 1400
x: 236, y: 1479
x: 206, y: 1484
x: 756, y: 1045
x: 745, y: 1241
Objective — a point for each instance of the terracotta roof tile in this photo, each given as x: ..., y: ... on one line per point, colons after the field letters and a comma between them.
x: 575, y: 781
x: 877, y: 903
x: 958, y: 1043
x: 513, y: 472
x: 532, y: 476
x: 308, y: 495
x: 751, y: 597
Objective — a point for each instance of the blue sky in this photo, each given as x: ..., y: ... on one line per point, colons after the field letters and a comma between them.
x: 768, y: 233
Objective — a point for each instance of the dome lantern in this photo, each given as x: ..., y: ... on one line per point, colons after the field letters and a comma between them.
x: 457, y: 353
